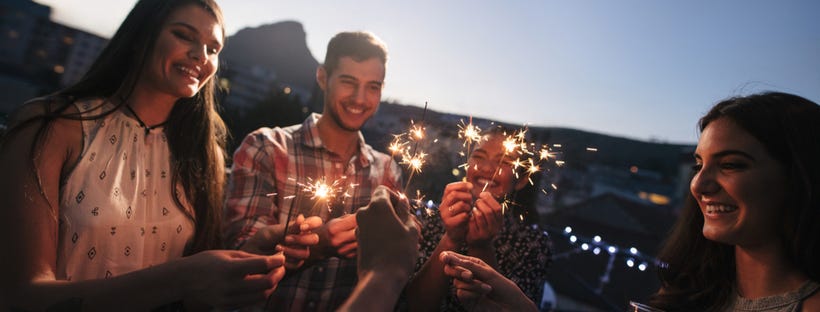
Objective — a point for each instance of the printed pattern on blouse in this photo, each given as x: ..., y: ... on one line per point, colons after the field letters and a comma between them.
x: 117, y: 211
x: 522, y: 252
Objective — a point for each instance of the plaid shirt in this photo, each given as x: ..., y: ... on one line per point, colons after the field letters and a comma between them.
x: 283, y: 161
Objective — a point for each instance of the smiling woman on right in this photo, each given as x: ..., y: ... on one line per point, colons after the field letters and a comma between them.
x: 748, y: 239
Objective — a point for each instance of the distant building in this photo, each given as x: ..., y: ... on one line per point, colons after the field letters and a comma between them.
x: 604, y: 251
x: 85, y: 48
x: 38, y: 56
x: 20, y: 22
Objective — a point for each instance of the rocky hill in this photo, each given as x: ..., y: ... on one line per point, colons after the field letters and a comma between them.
x: 280, y: 47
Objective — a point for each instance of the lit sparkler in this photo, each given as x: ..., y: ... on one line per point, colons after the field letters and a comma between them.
x: 523, y: 158
x: 514, y: 145
x: 406, y: 147
x: 470, y: 133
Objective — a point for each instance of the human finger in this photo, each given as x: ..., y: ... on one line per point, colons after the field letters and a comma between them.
x: 252, y: 283
x: 310, y: 223
x: 470, y: 293
x: 400, y: 204
x: 474, y: 286
x: 479, y: 219
x: 342, y: 238
x: 295, y: 253
x: 458, y: 186
x: 244, y: 263
x: 275, y: 276
x: 456, y: 209
x: 308, y: 239
x: 488, y: 198
x: 348, y: 249
x: 294, y: 225
x: 341, y: 224
x: 379, y: 209
x: 455, y: 197
x: 458, y: 273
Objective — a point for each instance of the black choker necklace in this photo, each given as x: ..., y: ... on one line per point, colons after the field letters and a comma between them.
x: 142, y: 124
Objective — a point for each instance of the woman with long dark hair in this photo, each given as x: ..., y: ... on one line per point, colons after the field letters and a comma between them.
x: 747, y: 239
x: 113, y: 187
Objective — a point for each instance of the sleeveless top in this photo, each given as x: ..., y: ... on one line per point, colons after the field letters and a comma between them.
x: 788, y: 302
x: 117, y: 208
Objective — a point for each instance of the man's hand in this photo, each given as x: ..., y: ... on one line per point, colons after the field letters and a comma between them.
x: 337, y: 238
x: 300, y: 237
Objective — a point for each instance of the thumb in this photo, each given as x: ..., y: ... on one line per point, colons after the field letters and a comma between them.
x: 378, y: 208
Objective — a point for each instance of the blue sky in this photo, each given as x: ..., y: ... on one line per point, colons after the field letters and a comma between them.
x: 638, y: 69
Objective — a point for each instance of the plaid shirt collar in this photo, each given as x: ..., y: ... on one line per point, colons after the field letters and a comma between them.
x: 309, y: 136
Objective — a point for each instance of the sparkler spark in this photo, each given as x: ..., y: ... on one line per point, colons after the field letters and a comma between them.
x: 410, y: 154
x: 414, y: 163
x: 326, y: 193
x: 417, y: 132
x: 468, y: 132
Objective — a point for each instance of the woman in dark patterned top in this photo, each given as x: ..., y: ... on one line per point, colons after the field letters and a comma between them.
x: 471, y: 220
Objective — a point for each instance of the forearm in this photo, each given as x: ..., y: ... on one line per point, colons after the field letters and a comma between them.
x: 517, y: 299
x: 252, y: 195
x: 485, y: 252
x: 141, y: 290
x: 244, y: 217
x: 430, y: 285
x: 376, y: 291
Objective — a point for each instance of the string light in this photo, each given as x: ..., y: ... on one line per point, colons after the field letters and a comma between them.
x: 597, y: 245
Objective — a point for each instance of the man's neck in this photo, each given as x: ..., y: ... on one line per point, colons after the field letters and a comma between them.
x: 764, y: 271
x: 337, y: 140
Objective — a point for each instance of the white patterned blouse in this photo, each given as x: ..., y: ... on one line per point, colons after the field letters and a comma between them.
x: 117, y: 213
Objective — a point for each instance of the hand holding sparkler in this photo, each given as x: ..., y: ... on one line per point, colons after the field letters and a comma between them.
x: 485, y: 223
x: 337, y: 238
x: 474, y: 223
x: 455, y: 208
x: 298, y: 239
x: 295, y: 244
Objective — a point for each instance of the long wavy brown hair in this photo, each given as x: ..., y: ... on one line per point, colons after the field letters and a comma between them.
x: 701, y: 273
x: 196, y: 133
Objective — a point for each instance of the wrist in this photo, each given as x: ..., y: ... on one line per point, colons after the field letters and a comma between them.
x: 481, y: 245
x: 447, y: 242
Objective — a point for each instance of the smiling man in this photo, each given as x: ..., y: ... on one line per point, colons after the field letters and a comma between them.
x: 274, y: 170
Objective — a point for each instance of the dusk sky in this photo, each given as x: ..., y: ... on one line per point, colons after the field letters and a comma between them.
x: 638, y: 69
